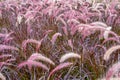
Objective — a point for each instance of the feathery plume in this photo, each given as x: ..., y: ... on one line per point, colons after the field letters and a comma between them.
x: 109, y: 79
x: 6, y: 35
x: 6, y: 47
x: 2, y: 35
x: 39, y: 45
x: 73, y: 20
x: 109, y: 52
x: 5, y: 64
x: 69, y: 55
x: 31, y: 63
x: 38, y: 56
x: 19, y: 19
x: 54, y: 37
x: 70, y: 43
x: 112, y: 70
x: 59, y: 67
x: 62, y: 20
x: 25, y: 42
x: 99, y: 24
x: 111, y: 39
x: 5, y: 56
x: 10, y: 60
x: 2, y: 76
x: 106, y: 32
x: 65, y: 30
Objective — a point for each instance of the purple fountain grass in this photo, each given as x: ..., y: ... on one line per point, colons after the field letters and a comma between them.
x: 10, y: 60
x: 31, y: 63
x: 65, y: 30
x: 6, y: 47
x: 70, y: 44
x: 111, y: 39
x: 110, y: 51
x: 103, y: 47
x: 38, y: 56
x: 25, y: 42
x: 99, y: 24
x: 69, y: 55
x: 106, y: 32
x: 54, y: 37
x: 5, y: 64
x: 6, y: 35
x: 19, y: 19
x: 73, y: 20
x: 5, y: 56
x: 59, y: 67
x: 2, y: 76
x: 112, y: 71
x: 62, y: 20
x: 57, y: 27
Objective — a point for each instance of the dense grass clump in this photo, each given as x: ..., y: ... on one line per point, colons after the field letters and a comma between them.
x: 59, y: 39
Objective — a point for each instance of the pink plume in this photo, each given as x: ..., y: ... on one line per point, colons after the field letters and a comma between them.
x: 38, y: 56
x: 68, y: 56
x: 110, y: 51
x: 54, y: 37
x: 6, y: 47
x: 6, y: 35
x: 31, y: 63
x: 5, y: 55
x: 70, y: 43
x: 65, y: 30
x: 4, y: 64
x: 59, y: 67
x: 112, y: 70
x: 10, y: 60
x: 39, y: 44
x: 25, y: 42
x: 2, y: 76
